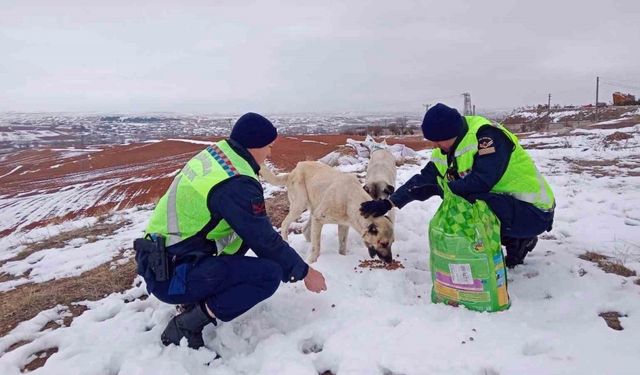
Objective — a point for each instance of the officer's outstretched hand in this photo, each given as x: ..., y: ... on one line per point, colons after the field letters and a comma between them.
x: 314, y: 281
x: 375, y: 208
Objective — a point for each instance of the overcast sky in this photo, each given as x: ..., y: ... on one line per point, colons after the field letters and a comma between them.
x: 312, y: 56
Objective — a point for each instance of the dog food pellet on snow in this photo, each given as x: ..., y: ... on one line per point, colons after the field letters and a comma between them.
x: 379, y: 264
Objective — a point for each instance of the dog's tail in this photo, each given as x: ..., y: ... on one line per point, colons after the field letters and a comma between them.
x: 270, y: 177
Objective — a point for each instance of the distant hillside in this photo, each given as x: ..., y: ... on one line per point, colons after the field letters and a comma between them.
x: 537, y: 119
x: 24, y: 131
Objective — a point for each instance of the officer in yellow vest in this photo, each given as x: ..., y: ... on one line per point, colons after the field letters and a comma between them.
x: 480, y: 159
x: 212, y: 214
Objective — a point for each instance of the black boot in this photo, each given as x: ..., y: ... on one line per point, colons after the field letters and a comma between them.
x: 517, y: 250
x: 189, y: 324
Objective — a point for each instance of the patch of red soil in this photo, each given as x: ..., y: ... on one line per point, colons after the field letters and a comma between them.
x: 132, y: 175
x: 289, y: 150
x: 612, y: 318
x: 277, y: 208
x: 137, y: 173
x: 39, y: 359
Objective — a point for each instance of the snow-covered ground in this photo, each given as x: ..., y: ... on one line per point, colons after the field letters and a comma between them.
x: 24, y: 135
x: 73, y: 258
x: 557, y: 116
x: 380, y: 321
x: 563, y: 115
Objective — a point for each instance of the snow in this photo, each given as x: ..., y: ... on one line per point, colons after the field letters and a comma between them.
x: 380, y: 321
x: 76, y: 257
x: 195, y: 141
x: 70, y: 152
x: 528, y: 115
x: 27, y: 172
x: 78, y: 150
x: 39, y: 206
x: 608, y: 122
x: 13, y: 170
x: 558, y: 116
x: 632, y: 113
x: 78, y: 194
x: 604, y: 132
x: 25, y: 135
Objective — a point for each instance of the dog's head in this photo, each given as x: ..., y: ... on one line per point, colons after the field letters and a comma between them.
x: 378, y: 237
x: 379, y: 190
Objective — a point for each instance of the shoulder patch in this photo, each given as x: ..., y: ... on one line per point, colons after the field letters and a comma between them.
x: 485, y: 142
x: 485, y: 146
x: 486, y: 151
x: 258, y: 207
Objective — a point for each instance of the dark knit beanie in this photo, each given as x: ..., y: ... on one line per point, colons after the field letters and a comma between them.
x: 441, y: 123
x: 253, y: 131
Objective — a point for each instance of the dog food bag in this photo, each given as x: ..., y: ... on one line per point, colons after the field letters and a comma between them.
x: 466, y: 261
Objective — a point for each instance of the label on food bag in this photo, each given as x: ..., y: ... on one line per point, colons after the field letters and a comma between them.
x: 461, y: 274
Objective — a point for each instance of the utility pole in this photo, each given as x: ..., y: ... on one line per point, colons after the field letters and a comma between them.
x: 597, y: 88
x: 549, y: 106
x: 467, y: 104
x: 474, y: 109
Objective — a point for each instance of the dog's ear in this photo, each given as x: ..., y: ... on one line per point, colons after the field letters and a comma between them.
x: 373, y: 229
x: 366, y: 188
x: 389, y: 189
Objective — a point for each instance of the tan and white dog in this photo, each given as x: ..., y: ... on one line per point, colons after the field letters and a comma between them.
x: 380, y: 181
x: 332, y: 197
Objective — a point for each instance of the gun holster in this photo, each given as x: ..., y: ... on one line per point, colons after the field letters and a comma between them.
x: 151, y: 249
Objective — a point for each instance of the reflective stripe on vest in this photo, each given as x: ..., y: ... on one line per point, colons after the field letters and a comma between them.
x: 439, y: 160
x: 470, y: 148
x: 542, y: 196
x: 173, y: 228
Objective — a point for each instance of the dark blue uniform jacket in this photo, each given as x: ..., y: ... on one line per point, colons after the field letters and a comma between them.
x: 487, y: 170
x: 518, y: 219
x: 240, y: 201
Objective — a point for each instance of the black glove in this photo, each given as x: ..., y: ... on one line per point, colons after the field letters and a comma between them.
x: 424, y: 192
x: 376, y: 208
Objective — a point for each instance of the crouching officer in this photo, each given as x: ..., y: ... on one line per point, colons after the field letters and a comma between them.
x: 480, y: 160
x: 198, y: 234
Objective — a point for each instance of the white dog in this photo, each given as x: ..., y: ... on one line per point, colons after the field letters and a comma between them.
x: 332, y: 197
x: 381, y: 176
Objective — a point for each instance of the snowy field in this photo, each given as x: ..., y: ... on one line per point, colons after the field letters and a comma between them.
x: 380, y: 321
